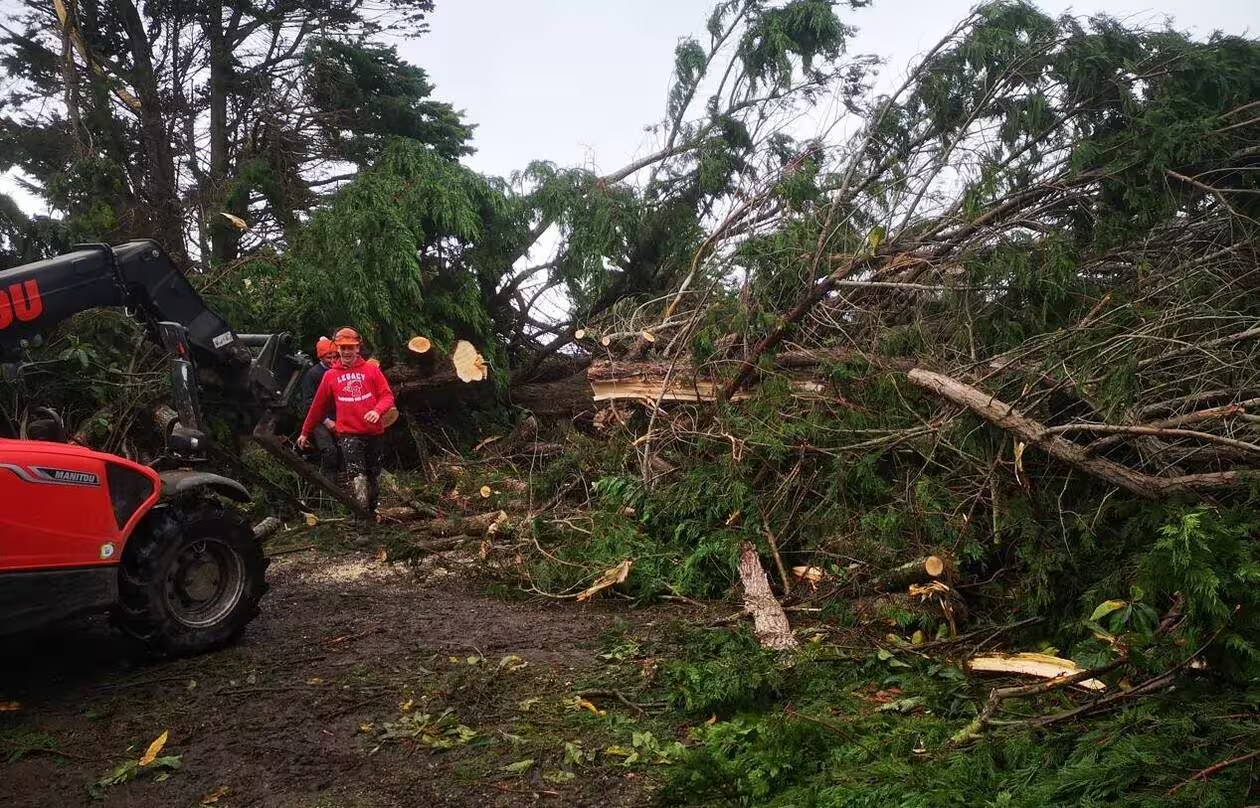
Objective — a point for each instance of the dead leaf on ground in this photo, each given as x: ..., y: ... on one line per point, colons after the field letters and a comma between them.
x: 10, y: 706
x: 611, y: 577
x: 216, y: 795
x: 381, y: 555
x: 151, y: 753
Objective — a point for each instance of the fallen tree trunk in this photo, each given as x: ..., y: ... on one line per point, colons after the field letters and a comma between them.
x: 769, y: 620
x: 481, y: 524
x: 1006, y: 417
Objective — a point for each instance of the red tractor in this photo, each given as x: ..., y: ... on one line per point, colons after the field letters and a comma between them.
x: 81, y: 531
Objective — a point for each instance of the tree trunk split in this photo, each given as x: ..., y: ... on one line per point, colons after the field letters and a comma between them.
x: 769, y: 620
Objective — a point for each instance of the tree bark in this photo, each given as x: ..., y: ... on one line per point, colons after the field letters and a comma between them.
x: 1005, y: 417
x: 919, y: 571
x: 164, y: 207
x: 769, y: 621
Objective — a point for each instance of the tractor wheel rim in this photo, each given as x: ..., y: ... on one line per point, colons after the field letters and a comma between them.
x: 205, y: 583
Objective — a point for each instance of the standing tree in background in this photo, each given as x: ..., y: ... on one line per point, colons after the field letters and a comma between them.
x: 167, y: 115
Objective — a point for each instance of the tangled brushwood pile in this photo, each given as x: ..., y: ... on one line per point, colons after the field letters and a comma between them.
x: 1016, y: 333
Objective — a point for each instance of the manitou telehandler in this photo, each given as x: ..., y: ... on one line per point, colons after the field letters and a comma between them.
x: 157, y: 547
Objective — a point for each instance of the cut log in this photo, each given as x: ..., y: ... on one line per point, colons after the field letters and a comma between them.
x: 770, y: 623
x: 1041, y: 666
x: 1007, y: 418
x: 919, y: 571
x: 267, y: 528
x: 469, y: 364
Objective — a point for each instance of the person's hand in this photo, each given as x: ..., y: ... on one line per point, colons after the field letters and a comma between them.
x: 304, y: 442
x: 372, y: 416
x: 330, y: 425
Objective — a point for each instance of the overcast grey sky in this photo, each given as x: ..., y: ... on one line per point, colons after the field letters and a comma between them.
x: 575, y: 81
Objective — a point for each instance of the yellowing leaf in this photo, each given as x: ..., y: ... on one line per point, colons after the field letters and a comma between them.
x: 1105, y: 608
x: 582, y: 704
x: 512, y: 662
x: 406, y: 706
x: 712, y: 720
x: 519, y: 767
x: 151, y: 753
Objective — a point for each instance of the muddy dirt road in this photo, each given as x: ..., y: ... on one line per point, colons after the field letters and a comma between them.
x: 359, y: 685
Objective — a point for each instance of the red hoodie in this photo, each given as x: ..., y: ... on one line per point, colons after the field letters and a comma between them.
x: 355, y: 391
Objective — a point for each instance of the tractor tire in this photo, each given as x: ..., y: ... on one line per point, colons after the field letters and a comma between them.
x: 190, y: 579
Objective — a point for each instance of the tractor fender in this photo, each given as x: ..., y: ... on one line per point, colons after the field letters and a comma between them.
x: 175, y: 483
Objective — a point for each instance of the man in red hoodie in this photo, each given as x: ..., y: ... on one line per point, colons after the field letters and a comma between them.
x: 361, y: 397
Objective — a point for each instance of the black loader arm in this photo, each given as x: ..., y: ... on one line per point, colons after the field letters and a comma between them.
x: 258, y: 372
x: 138, y: 276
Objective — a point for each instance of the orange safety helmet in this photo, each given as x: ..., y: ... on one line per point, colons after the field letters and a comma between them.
x: 346, y: 336
x: 324, y: 347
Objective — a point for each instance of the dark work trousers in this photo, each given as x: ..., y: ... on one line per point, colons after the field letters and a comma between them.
x: 329, y: 454
x: 362, y: 456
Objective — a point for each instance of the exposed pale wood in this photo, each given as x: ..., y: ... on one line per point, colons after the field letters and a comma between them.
x: 769, y: 621
x: 918, y: 571
x: 652, y: 381
x: 1041, y: 666
x: 469, y: 364
x: 612, y: 577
